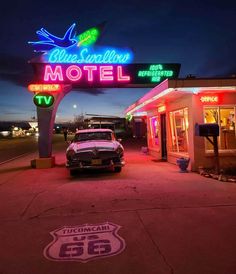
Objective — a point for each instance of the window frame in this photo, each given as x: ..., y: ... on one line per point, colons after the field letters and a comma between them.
x: 218, y: 107
x: 173, y: 130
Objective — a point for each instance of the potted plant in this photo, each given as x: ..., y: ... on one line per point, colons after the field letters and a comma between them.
x: 183, y: 164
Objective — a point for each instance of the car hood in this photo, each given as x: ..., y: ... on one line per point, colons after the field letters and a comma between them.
x: 89, y: 145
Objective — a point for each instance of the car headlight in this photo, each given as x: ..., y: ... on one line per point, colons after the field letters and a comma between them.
x: 119, y: 150
x: 70, y: 154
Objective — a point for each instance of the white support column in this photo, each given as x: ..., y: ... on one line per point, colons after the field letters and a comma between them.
x: 46, y: 119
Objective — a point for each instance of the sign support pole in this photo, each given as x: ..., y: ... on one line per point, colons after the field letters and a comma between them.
x: 46, y: 119
x: 216, y: 153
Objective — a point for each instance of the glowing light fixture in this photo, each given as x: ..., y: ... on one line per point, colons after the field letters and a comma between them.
x: 209, y: 99
x: 129, y: 117
x: 43, y: 100
x: 87, y: 55
x: 48, y: 41
x: 93, y: 73
x: 161, y: 109
x: 88, y: 37
x: 44, y: 87
x: 156, y: 73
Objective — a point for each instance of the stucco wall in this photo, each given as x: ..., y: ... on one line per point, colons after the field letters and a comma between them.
x: 202, y: 158
x: 198, y: 156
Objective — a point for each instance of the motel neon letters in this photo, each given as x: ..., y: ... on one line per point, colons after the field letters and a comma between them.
x: 85, y: 73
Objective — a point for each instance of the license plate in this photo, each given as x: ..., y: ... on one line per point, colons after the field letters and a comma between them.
x: 96, y: 162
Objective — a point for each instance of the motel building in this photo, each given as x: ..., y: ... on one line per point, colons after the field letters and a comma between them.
x: 171, y: 111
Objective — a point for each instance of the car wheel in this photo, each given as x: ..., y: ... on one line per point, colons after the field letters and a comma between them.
x: 118, y: 169
x: 73, y: 172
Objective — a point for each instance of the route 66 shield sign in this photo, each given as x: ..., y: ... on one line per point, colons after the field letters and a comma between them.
x: 84, y: 243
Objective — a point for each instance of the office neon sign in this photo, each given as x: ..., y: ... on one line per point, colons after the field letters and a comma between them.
x: 75, y: 59
x: 209, y: 99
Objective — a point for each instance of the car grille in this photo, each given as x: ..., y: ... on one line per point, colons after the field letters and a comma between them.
x: 88, y: 156
x: 85, y: 158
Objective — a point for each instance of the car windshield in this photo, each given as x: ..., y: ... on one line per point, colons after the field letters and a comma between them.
x: 86, y: 136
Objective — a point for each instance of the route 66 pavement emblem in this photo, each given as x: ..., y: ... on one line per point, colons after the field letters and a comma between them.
x: 84, y: 243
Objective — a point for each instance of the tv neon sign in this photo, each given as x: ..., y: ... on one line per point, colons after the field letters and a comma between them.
x: 209, y: 99
x: 43, y: 99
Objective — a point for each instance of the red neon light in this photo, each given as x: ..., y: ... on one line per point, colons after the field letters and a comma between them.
x: 74, y: 73
x: 83, y: 74
x: 106, y: 73
x: 90, y: 70
x: 161, y: 108
x: 120, y: 76
x: 209, y: 99
x: 53, y: 75
x: 44, y: 87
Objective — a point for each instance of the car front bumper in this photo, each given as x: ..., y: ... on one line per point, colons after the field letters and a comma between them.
x: 80, y: 165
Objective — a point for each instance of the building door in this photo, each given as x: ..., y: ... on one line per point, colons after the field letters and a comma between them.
x: 163, y: 137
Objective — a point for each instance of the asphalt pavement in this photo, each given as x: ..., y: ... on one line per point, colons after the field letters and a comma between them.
x: 12, y: 148
x: 147, y: 219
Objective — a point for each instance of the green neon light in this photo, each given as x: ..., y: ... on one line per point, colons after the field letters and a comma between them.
x: 88, y: 37
x: 129, y: 117
x: 156, y: 73
x: 44, y: 100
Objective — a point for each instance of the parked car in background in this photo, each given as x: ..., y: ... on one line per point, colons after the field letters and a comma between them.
x: 94, y: 149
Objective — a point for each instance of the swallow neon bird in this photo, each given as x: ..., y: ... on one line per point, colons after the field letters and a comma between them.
x: 48, y: 41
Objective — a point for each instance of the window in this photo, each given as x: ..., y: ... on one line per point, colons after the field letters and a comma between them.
x: 179, y: 130
x: 225, y: 118
x: 96, y: 135
x: 154, y: 127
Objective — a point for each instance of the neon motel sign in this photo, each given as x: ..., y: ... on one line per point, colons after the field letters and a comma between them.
x: 75, y: 59
x: 88, y: 73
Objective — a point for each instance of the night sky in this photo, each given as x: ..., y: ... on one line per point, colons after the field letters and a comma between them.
x: 201, y: 35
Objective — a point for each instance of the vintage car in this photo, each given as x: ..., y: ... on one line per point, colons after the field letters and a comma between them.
x: 94, y: 149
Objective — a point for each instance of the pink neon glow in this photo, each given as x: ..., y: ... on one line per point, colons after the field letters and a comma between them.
x: 120, y: 76
x: 106, y: 73
x: 90, y: 70
x: 55, y: 75
x: 89, y: 73
x: 73, y: 73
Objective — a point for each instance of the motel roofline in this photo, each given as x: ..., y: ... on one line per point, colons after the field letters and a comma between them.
x: 175, y: 88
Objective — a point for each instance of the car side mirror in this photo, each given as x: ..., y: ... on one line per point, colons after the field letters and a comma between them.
x: 119, y: 140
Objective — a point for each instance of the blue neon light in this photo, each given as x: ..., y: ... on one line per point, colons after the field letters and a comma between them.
x: 68, y: 50
x: 49, y: 41
x: 89, y: 56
